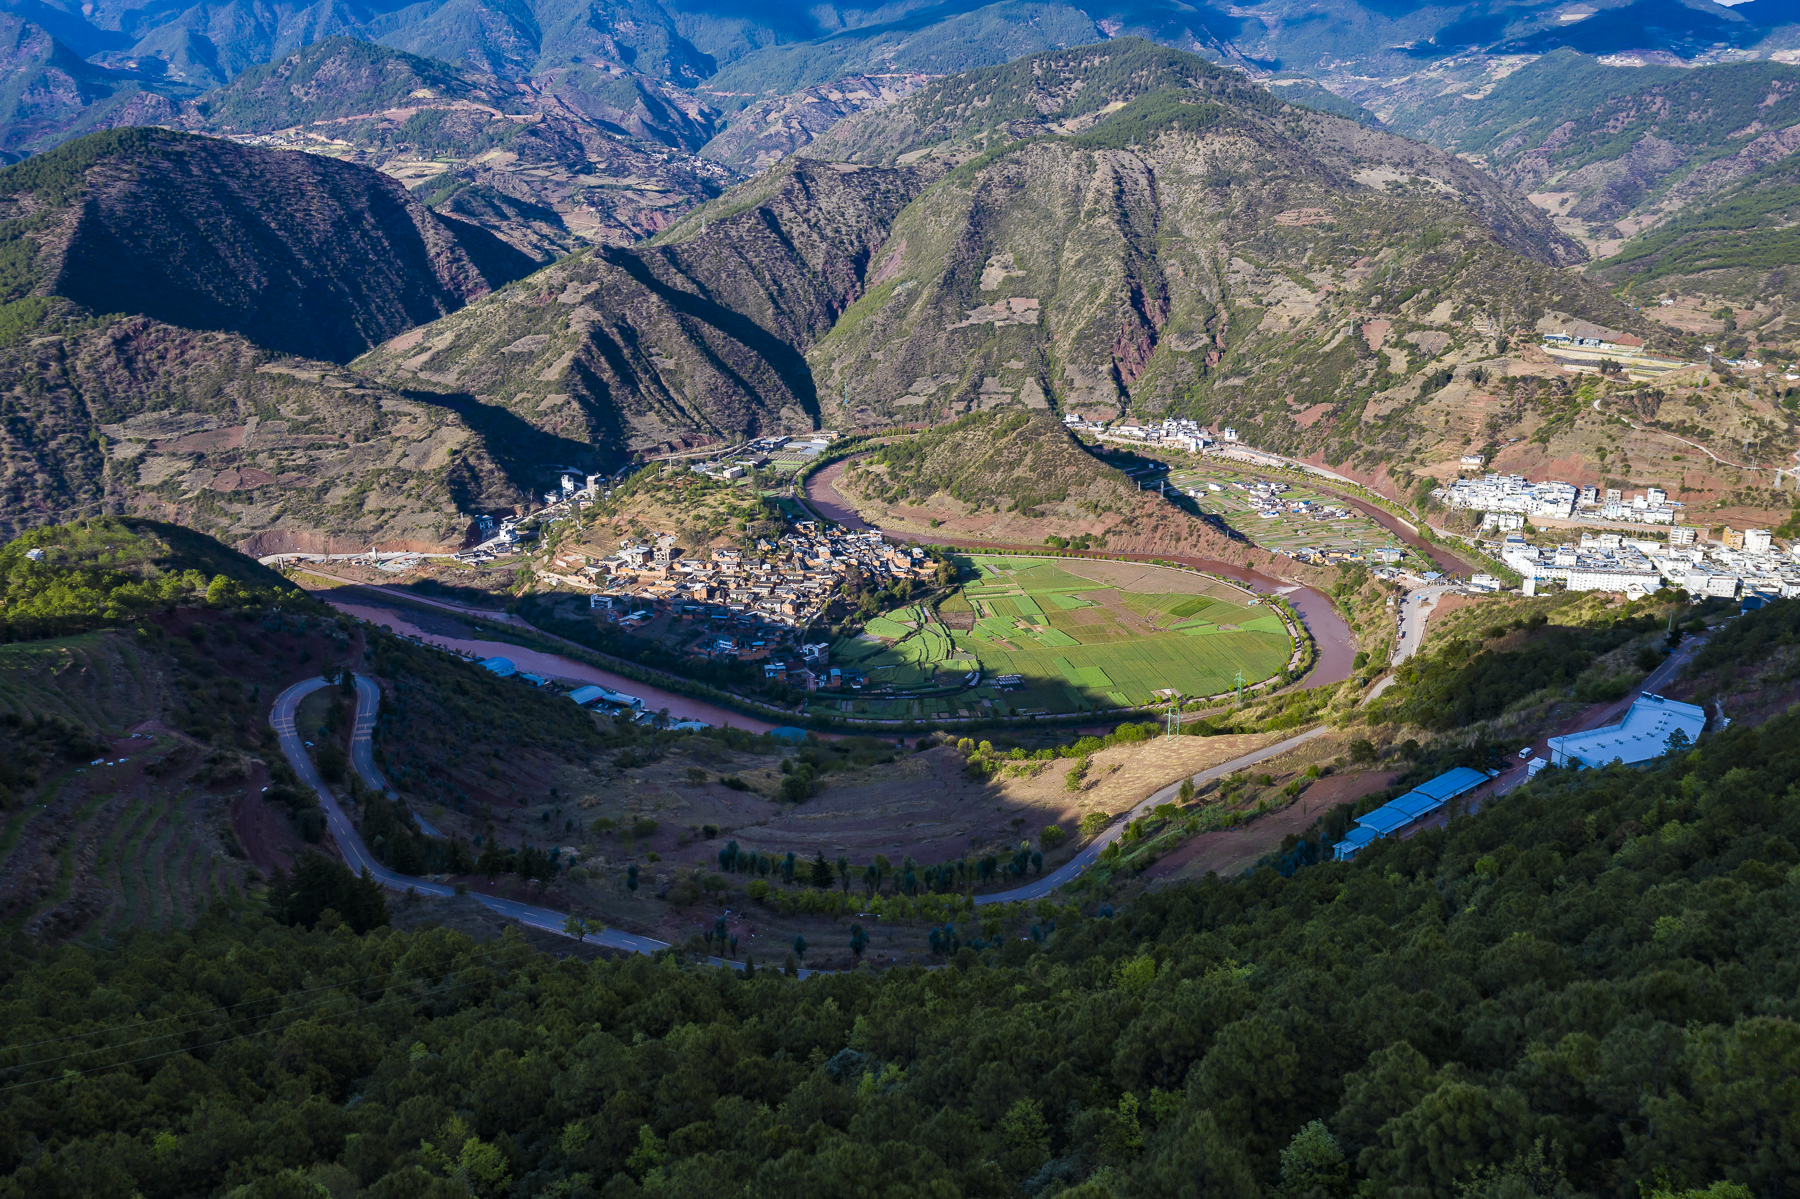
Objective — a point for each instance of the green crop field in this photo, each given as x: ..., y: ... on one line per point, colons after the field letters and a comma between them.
x: 1277, y: 525
x: 1113, y: 635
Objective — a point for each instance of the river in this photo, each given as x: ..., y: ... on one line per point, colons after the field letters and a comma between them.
x: 1337, y: 645
x: 402, y: 618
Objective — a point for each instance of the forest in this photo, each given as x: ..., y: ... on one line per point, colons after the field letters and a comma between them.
x: 1588, y: 988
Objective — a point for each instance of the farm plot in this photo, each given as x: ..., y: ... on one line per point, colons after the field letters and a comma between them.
x: 1299, y: 521
x: 1080, y: 635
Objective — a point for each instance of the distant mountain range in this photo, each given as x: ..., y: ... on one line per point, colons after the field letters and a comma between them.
x: 293, y: 352
x: 737, y: 53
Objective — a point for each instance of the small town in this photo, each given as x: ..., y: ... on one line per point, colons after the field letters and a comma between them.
x: 1745, y: 564
x: 1506, y: 500
x: 790, y: 584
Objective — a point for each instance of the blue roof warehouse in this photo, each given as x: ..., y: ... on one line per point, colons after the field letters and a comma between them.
x: 1421, y: 801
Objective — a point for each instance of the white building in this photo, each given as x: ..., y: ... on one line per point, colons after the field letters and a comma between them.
x: 1641, y: 736
x: 1757, y: 541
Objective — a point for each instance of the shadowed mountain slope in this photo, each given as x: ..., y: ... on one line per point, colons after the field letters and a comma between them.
x: 701, y: 337
x: 299, y: 253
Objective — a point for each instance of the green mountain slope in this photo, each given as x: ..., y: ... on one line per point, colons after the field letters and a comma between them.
x: 1736, y: 241
x: 1497, y: 1006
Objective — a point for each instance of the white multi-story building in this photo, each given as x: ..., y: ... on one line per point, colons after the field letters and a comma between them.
x: 1588, y: 567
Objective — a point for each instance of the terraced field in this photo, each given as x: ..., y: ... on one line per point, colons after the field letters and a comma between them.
x: 1080, y: 635
x: 96, y: 849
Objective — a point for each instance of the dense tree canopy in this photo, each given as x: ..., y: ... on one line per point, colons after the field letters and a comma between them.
x: 1589, y: 986
x: 103, y: 571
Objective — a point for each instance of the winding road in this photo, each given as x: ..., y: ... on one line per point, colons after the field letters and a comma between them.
x: 362, y: 758
x: 1081, y: 861
x: 350, y: 842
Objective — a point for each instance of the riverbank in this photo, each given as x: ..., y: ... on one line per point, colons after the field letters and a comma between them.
x: 1335, y: 643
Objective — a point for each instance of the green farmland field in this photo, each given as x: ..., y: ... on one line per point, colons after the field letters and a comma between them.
x: 1114, y: 634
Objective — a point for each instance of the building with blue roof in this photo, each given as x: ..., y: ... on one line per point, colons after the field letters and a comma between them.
x: 593, y: 694
x: 1416, y: 804
x: 500, y: 666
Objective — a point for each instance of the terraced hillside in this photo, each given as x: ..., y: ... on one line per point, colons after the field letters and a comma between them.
x: 137, y: 662
x: 154, y: 291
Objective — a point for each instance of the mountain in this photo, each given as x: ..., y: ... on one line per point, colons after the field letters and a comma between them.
x: 296, y: 252
x: 614, y: 350
x: 48, y: 94
x: 1201, y: 247
x: 645, y: 55
x: 541, y: 167
x: 1120, y: 228
x: 1611, y: 150
x: 762, y: 134
x: 218, y: 263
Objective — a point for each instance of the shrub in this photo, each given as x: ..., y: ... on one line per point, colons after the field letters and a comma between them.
x: 1093, y: 822
x: 757, y: 889
x: 332, y: 762
x: 643, y: 827
x: 1051, y: 836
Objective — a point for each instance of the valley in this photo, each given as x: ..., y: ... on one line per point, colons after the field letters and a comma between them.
x: 937, y: 600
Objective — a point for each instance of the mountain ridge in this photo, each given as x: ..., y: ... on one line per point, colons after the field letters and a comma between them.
x: 210, y: 234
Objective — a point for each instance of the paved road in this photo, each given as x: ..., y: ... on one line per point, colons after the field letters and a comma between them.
x: 362, y: 748
x: 1081, y: 861
x: 357, y: 855
x: 1417, y: 610
x: 350, y: 842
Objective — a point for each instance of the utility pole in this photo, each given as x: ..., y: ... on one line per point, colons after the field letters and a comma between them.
x: 1240, y: 686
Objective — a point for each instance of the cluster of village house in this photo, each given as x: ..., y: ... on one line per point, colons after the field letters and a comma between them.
x: 764, y: 602
x: 1506, y: 500
x: 1173, y: 434
x: 1745, y: 562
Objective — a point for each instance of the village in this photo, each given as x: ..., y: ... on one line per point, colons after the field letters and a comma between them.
x: 1506, y: 501
x: 733, y: 607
